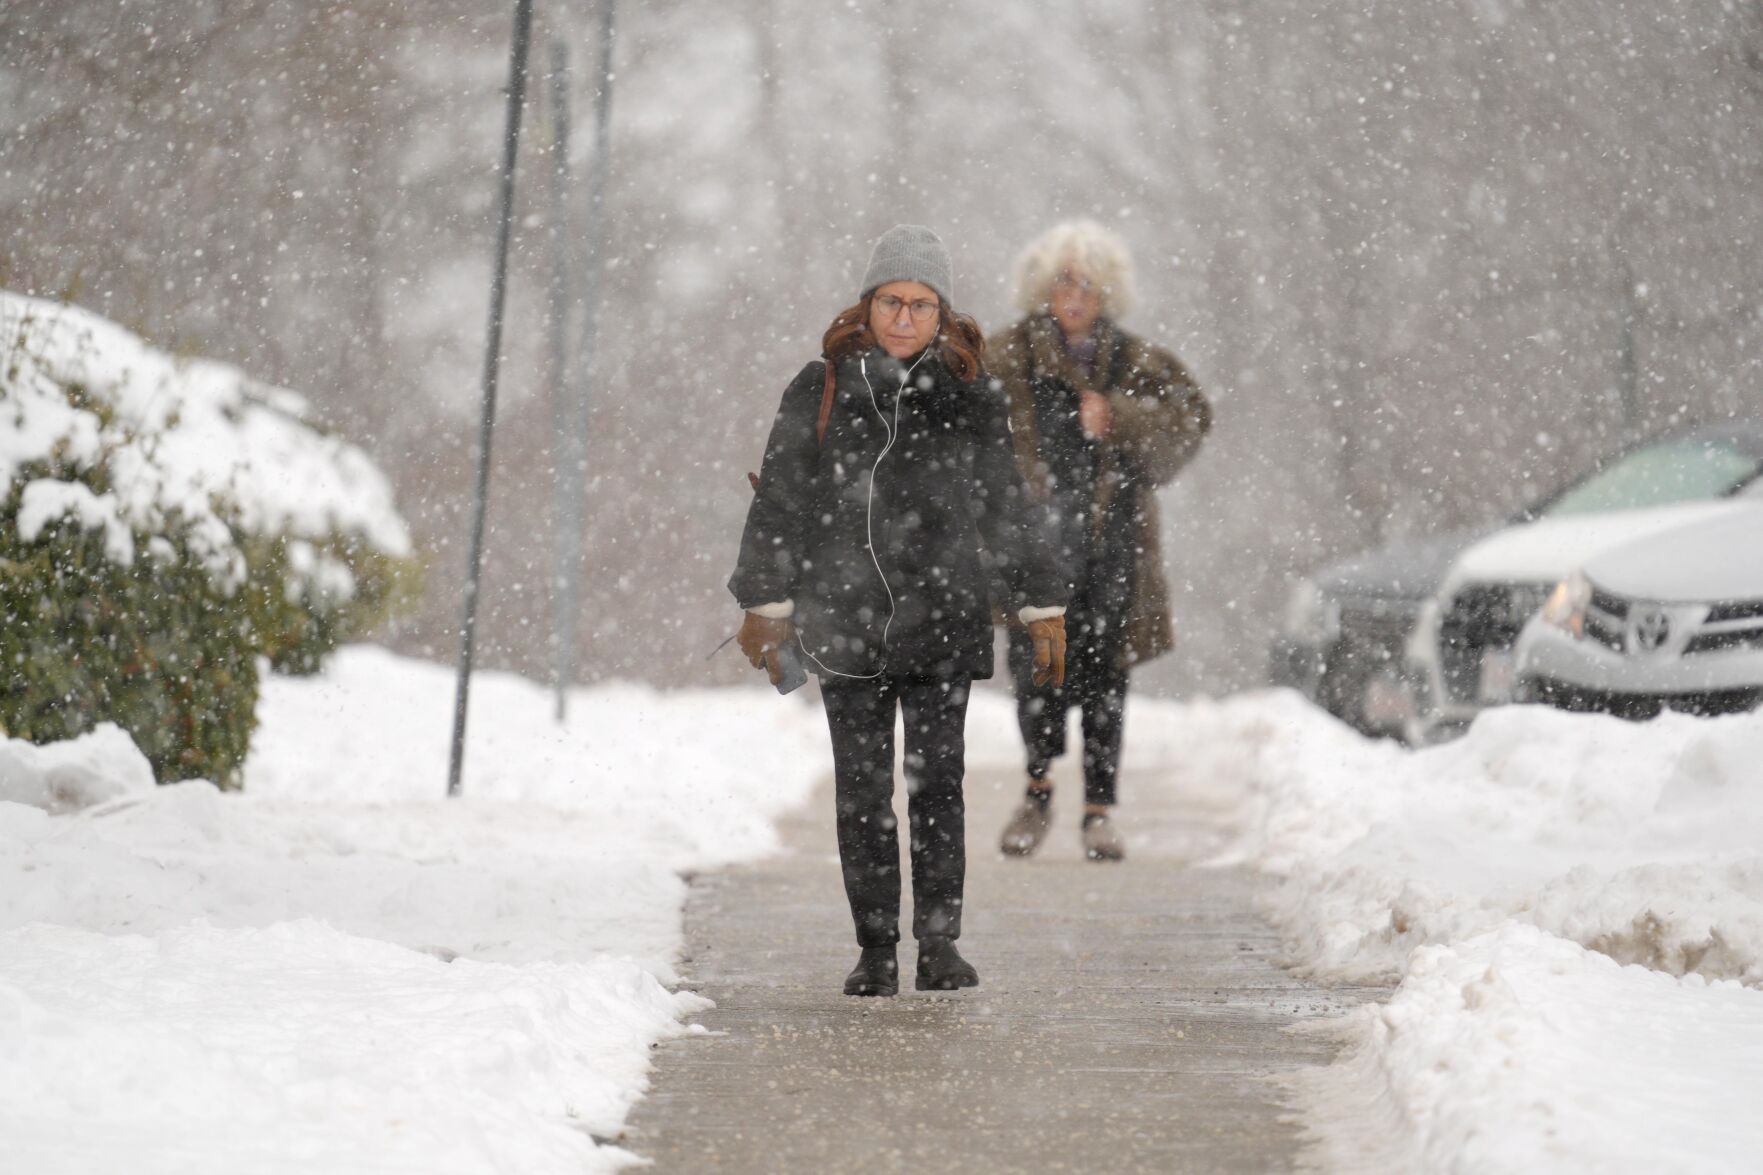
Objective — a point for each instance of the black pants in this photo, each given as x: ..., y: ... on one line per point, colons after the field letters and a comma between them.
x: 1095, y: 682
x: 861, y: 716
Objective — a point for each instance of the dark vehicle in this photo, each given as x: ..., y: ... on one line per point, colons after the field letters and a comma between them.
x: 1344, y: 628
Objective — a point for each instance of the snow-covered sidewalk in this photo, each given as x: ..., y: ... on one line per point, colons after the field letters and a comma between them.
x: 342, y: 970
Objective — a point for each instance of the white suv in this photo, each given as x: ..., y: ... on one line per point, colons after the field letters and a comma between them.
x: 1460, y: 656
x: 1674, y: 620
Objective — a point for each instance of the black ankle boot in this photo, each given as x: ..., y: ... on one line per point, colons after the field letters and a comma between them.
x: 877, y: 973
x: 941, y: 967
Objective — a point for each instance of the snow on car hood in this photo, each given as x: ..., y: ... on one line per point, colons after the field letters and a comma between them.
x: 1550, y: 548
x: 1718, y: 558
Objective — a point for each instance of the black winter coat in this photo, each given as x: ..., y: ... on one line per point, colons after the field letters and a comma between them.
x: 949, y: 505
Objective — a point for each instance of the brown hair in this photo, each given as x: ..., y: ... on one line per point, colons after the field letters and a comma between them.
x: 959, y: 342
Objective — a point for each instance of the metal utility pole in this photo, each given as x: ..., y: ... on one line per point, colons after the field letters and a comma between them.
x: 566, y: 415
x: 1628, y: 376
x: 574, y: 437
x: 523, y: 22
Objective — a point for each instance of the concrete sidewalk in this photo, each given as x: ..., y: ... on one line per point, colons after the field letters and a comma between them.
x: 1127, y: 1019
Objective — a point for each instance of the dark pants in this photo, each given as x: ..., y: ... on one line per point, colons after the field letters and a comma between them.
x: 1095, y: 682
x: 861, y: 716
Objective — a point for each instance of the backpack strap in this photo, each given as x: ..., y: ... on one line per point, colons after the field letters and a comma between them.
x: 826, y: 413
x: 826, y: 404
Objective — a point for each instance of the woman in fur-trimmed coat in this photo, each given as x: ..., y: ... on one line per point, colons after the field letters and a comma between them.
x: 1099, y: 419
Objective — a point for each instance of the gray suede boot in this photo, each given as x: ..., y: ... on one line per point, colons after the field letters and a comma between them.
x: 1028, y: 824
x: 1102, y: 841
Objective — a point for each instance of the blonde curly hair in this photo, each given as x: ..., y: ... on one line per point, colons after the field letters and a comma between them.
x: 1082, y: 245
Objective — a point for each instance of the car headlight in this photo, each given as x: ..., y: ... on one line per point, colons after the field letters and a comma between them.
x: 1566, y: 606
x: 1311, y: 616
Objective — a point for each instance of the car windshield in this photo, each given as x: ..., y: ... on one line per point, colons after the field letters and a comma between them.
x: 1685, y: 470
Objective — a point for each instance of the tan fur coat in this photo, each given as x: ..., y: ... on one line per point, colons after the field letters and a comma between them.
x: 1158, y: 418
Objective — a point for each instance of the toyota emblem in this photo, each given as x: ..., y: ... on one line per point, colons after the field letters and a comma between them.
x: 1651, y: 630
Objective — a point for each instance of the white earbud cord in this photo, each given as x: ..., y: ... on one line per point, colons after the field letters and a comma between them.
x: 869, y: 516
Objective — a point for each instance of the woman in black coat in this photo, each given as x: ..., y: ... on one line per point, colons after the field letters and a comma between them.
x: 888, y: 495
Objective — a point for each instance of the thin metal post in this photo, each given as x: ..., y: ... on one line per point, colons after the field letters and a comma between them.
x: 566, y: 469
x: 576, y: 436
x: 596, y: 230
x: 523, y: 21
x: 1628, y: 383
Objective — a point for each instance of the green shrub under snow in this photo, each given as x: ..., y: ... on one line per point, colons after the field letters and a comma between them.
x: 299, y: 614
x: 149, y: 644
x: 165, y: 525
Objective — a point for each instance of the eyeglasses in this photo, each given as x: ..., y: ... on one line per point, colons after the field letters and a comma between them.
x: 923, y: 309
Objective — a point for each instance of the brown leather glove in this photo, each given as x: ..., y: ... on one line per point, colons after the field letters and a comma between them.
x: 761, y: 637
x: 1049, y: 640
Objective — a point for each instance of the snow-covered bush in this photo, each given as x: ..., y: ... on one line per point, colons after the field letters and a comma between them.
x: 165, y: 523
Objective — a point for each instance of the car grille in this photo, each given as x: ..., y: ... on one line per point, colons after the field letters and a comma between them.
x: 1373, y: 632
x: 1606, y: 619
x: 1735, y: 610
x: 1720, y: 642
x: 1379, y: 622
x: 1613, y: 606
x: 1482, y: 618
x: 1730, y: 624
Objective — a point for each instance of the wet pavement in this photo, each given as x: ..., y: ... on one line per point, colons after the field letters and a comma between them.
x: 1130, y: 1017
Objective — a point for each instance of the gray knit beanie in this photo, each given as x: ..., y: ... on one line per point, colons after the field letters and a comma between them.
x: 911, y: 253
